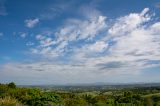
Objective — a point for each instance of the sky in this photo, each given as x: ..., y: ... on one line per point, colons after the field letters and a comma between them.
x: 79, y: 41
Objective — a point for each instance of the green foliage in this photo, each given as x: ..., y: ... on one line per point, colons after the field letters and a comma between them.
x: 12, y: 85
x: 148, y: 102
x: 75, y: 101
x: 35, y: 97
x: 31, y: 97
x: 3, y: 89
x: 100, y: 103
x: 10, y: 95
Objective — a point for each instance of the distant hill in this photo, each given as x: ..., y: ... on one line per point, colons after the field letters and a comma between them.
x: 94, y: 86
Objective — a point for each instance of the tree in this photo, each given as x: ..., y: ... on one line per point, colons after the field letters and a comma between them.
x: 12, y: 85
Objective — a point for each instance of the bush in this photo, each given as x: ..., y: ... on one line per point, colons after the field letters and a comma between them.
x: 12, y: 85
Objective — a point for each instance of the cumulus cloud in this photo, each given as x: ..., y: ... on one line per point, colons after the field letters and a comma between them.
x: 30, y: 23
x: 135, y: 40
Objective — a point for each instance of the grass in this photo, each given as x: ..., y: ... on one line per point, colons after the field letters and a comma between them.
x: 8, y: 101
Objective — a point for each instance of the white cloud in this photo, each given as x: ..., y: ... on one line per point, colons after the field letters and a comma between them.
x: 73, y: 31
x: 156, y: 26
x: 129, y: 23
x: 44, y: 40
x: 129, y: 42
x: 29, y: 44
x: 82, y: 29
x: 134, y: 40
x: 30, y: 23
x: 22, y: 34
x: 99, y: 46
x: 88, y: 51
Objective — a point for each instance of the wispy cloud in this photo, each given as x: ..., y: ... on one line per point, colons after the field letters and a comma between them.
x: 74, y: 30
x: 30, y: 23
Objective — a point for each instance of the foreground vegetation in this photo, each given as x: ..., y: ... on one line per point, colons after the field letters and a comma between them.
x: 10, y: 95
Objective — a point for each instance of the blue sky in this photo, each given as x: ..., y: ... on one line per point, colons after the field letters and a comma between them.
x: 82, y: 41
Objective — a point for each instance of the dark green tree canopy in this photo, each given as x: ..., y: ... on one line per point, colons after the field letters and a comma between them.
x: 12, y: 85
